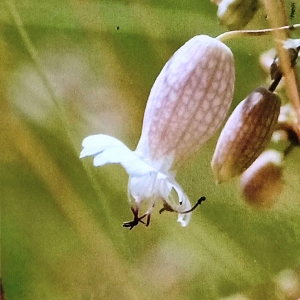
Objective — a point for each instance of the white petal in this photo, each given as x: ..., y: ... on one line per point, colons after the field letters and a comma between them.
x: 156, y: 186
x: 110, y: 150
x: 114, y: 155
x: 184, y: 219
x: 94, y: 144
x: 185, y: 205
x: 143, y: 187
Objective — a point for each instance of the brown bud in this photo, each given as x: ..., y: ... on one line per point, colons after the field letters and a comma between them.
x: 262, y: 182
x: 246, y: 134
x: 275, y: 69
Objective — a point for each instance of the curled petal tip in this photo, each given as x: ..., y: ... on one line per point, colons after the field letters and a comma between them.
x: 94, y: 144
x: 182, y: 222
x: 184, y: 219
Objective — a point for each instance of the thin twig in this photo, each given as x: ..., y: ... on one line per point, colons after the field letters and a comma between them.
x: 260, y: 32
x: 276, y: 17
x: 283, y: 15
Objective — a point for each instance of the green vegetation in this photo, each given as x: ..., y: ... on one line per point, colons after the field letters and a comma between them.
x: 61, y: 218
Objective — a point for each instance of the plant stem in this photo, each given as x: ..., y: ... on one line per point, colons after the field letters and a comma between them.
x: 276, y: 17
x: 260, y: 32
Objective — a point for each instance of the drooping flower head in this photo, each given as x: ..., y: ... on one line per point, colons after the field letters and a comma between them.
x: 187, y: 104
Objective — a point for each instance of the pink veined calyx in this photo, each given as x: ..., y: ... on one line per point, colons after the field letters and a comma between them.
x: 187, y: 104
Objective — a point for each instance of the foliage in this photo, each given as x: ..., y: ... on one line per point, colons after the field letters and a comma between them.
x: 61, y: 219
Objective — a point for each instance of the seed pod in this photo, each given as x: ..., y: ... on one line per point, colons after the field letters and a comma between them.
x: 236, y: 14
x: 262, y: 182
x: 246, y: 134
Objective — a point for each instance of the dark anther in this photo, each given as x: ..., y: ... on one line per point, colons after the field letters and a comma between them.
x: 136, y: 219
x: 194, y: 207
x: 148, y: 219
x: 202, y: 199
x: 162, y: 210
x: 167, y: 207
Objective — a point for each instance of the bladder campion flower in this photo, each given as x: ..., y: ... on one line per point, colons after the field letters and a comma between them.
x: 187, y: 103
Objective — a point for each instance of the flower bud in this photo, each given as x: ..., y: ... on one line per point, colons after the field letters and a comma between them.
x: 262, y: 182
x: 236, y: 14
x: 246, y: 134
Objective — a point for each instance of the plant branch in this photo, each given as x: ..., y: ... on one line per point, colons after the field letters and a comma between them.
x: 276, y: 17
x: 260, y: 32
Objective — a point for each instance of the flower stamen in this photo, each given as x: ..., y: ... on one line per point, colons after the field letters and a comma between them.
x: 136, y: 219
x: 167, y: 207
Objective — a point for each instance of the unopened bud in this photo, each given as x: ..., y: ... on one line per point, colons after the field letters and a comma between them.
x: 236, y: 14
x: 262, y: 182
x: 246, y: 134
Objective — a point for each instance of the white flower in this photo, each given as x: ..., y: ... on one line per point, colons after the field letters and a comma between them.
x: 187, y: 104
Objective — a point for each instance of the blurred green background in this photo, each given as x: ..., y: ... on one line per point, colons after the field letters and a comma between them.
x: 61, y: 218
